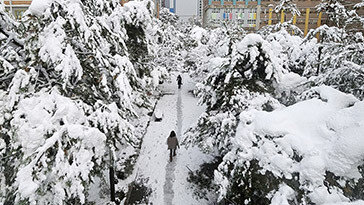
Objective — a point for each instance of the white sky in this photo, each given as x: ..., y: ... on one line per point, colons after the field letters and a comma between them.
x: 186, y: 7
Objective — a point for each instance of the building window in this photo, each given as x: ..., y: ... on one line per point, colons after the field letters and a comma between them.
x: 18, y: 12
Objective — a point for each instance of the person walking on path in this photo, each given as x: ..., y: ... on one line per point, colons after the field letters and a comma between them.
x: 179, y: 81
x: 172, y: 143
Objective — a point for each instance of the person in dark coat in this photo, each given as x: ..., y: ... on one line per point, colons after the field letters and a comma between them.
x: 179, y: 81
x: 172, y: 143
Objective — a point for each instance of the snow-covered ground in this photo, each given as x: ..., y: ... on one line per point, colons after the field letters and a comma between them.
x: 168, y: 180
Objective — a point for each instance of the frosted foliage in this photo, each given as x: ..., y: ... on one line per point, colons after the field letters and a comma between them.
x: 283, y: 195
x: 75, y: 101
x: 231, y: 87
x: 328, y: 34
x: 137, y: 13
x: 301, y: 153
x: 322, y: 131
x: 210, y: 49
x: 169, y: 49
x: 258, y: 54
x: 20, y: 82
x: 336, y: 11
x: 338, y: 61
x: 55, y: 133
x: 222, y: 125
x: 287, y: 6
x: 38, y: 7
x: 10, y: 45
x: 358, y: 5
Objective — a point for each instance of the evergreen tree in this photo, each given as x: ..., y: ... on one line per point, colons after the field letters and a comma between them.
x: 336, y: 12
x: 357, y: 17
x: 170, y: 42
x: 68, y: 110
x: 11, y: 57
x: 139, y: 25
x: 10, y: 47
x: 287, y: 6
x: 339, y: 59
x: 233, y: 87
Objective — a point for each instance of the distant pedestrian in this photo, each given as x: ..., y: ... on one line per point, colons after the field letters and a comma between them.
x: 172, y: 143
x: 179, y: 81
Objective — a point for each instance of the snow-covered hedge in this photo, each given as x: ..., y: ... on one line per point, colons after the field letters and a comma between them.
x: 297, y: 149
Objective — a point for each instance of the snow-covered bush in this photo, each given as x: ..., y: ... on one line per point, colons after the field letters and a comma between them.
x: 288, y: 26
x: 11, y: 56
x: 310, y: 152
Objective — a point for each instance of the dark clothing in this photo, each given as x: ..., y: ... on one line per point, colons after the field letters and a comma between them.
x: 171, y: 154
x: 172, y: 142
x: 179, y: 81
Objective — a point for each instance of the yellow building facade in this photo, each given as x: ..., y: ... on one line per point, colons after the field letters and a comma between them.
x: 17, y: 7
x: 254, y: 14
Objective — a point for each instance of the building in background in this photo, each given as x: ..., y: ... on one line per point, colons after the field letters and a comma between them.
x: 254, y: 14
x: 200, y: 9
x: 170, y: 4
x: 243, y: 12
x: 17, y: 7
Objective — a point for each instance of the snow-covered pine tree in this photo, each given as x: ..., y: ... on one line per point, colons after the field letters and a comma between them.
x: 245, y: 81
x: 357, y: 18
x: 10, y: 47
x: 207, y: 49
x: 170, y: 42
x: 287, y: 6
x: 336, y: 12
x: 137, y: 17
x: 10, y: 59
x: 242, y: 82
x: 70, y: 107
x: 340, y: 51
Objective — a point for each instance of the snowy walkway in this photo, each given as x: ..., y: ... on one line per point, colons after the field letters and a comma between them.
x: 168, y: 180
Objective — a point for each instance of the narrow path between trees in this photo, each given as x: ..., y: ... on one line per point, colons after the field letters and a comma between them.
x: 170, y: 176
x: 168, y: 180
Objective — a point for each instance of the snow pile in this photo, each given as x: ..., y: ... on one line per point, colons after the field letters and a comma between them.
x: 38, y: 7
x: 302, y: 142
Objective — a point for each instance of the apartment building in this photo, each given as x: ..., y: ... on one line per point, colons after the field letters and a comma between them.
x: 200, y: 9
x: 170, y: 4
x: 254, y: 14
x: 17, y: 7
